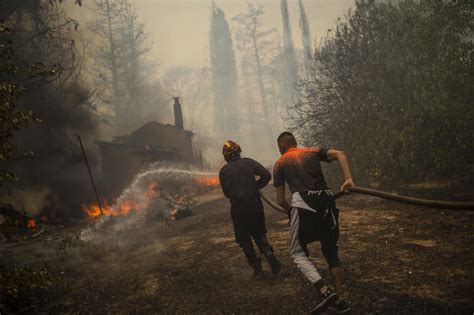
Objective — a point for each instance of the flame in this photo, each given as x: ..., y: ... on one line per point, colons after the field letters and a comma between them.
x: 172, y: 215
x: 140, y: 203
x: 124, y: 207
x: 31, y: 223
x: 209, y: 181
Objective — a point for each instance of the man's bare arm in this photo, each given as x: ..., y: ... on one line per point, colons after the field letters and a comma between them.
x: 341, y: 157
x: 280, y: 190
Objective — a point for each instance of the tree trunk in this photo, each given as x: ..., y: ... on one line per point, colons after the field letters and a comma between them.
x: 261, y: 88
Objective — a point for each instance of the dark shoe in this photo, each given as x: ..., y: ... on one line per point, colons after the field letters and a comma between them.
x: 257, y: 268
x: 340, y: 307
x: 327, y: 299
x: 275, y: 265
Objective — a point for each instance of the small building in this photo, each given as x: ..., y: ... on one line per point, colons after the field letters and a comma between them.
x: 123, y: 158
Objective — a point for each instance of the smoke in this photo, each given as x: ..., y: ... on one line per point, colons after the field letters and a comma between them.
x: 31, y: 200
x: 55, y: 179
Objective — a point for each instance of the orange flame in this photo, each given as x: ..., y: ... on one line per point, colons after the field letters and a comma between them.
x: 210, y: 181
x: 172, y: 215
x: 126, y: 206
x: 31, y: 223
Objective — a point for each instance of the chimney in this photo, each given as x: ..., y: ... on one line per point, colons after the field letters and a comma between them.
x: 178, y: 114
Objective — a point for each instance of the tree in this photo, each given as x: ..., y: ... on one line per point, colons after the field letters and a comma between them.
x: 257, y: 45
x: 51, y: 60
x: 393, y: 88
x: 135, y: 45
x: 106, y: 27
x: 306, y: 39
x: 48, y: 62
x: 224, y: 75
x: 290, y: 65
x: 11, y: 119
x: 119, y: 56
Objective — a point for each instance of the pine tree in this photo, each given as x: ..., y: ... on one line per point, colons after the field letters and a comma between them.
x: 290, y: 64
x: 224, y: 75
x: 306, y: 38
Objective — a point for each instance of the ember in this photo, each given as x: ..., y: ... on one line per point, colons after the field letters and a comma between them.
x: 140, y: 194
x: 31, y: 223
x: 124, y: 206
x: 208, y: 181
x: 93, y: 211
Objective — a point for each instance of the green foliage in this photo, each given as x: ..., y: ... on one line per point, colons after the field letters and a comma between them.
x: 11, y: 119
x: 19, y: 283
x: 393, y: 87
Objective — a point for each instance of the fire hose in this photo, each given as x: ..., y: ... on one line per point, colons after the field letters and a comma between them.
x: 454, y: 205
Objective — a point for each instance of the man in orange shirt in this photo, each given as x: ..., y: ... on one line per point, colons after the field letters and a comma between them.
x: 313, y: 213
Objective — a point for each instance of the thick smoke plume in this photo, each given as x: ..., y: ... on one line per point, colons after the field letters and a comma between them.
x: 54, y: 181
x: 55, y: 178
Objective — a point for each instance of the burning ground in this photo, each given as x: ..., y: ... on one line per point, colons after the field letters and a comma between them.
x: 398, y: 259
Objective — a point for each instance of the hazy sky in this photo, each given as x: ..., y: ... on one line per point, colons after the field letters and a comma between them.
x: 179, y: 29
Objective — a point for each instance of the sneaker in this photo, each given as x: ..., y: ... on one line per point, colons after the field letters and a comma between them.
x: 328, y: 298
x: 340, y: 307
x: 275, y: 265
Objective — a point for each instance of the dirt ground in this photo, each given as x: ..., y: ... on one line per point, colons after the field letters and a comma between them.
x: 398, y: 259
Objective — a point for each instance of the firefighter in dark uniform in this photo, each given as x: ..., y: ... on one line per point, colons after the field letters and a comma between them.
x: 239, y: 184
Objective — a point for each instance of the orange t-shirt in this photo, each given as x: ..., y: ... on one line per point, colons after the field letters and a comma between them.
x: 301, y: 169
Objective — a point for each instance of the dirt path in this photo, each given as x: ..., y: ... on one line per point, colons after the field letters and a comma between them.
x: 397, y: 258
